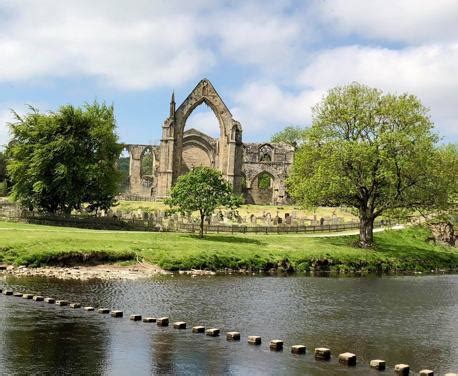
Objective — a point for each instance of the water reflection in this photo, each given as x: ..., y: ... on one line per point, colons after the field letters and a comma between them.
x: 48, y: 341
x: 400, y: 319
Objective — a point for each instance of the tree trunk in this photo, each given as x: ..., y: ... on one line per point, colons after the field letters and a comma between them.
x: 202, y: 219
x: 366, y: 231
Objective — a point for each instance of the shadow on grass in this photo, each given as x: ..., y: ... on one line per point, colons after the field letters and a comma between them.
x: 227, y: 239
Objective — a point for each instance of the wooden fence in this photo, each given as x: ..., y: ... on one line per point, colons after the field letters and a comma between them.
x: 114, y: 223
x: 279, y: 229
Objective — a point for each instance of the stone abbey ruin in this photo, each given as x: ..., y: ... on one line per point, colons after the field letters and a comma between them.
x: 257, y: 170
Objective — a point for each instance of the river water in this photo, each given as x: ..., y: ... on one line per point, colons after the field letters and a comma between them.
x: 409, y: 319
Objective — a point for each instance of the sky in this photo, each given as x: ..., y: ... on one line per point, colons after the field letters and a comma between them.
x: 271, y: 61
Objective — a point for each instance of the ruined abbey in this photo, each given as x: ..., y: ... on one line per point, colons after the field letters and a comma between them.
x: 257, y: 170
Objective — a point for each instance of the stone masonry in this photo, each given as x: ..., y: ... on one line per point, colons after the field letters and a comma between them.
x: 258, y: 170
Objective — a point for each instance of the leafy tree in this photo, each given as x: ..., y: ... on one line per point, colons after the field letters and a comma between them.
x: 147, y: 164
x: 65, y: 160
x: 123, y: 167
x: 2, y: 166
x: 373, y: 152
x: 264, y: 181
x: 202, y: 189
x: 293, y: 136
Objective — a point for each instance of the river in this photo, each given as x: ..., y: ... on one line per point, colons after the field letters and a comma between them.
x: 401, y: 319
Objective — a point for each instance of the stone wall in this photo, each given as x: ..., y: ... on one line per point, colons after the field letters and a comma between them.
x: 241, y: 164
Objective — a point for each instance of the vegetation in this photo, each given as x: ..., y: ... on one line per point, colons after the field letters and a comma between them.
x: 2, y: 167
x: 293, y: 136
x: 65, y: 160
x: 123, y: 166
x: 202, y: 189
x: 373, y: 152
x: 264, y: 181
x: 147, y: 163
x: 404, y: 250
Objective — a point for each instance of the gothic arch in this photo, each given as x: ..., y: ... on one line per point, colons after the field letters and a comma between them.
x: 228, y: 147
x: 147, y: 149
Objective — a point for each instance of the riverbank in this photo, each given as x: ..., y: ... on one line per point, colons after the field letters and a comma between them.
x: 404, y: 250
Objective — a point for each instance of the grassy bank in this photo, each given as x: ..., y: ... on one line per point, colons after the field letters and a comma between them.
x: 405, y: 250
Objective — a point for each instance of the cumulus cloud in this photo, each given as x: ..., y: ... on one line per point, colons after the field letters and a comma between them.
x: 135, y: 47
x: 265, y: 108
x: 423, y: 71
x: 413, y: 21
x: 259, y: 35
x: 5, y: 117
x: 288, y: 53
x: 204, y: 119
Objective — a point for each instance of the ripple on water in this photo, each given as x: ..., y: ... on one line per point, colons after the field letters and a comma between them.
x: 400, y: 319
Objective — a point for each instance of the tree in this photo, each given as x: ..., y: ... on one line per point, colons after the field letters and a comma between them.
x: 65, y: 160
x: 2, y: 167
x: 373, y: 152
x: 202, y: 189
x: 293, y: 136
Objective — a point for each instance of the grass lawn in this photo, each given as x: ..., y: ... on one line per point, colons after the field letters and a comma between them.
x: 396, y: 250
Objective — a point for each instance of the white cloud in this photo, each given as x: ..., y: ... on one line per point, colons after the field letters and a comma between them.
x: 265, y: 108
x: 430, y: 72
x: 397, y: 20
x: 145, y: 44
x: 262, y: 36
x: 135, y: 47
x: 5, y: 117
x: 204, y: 120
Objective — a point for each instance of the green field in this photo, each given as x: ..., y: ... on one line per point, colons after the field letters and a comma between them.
x: 404, y: 250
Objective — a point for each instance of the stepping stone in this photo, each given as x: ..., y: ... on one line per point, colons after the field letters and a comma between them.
x: 135, y: 317
x: 254, y: 340
x: 149, y: 319
x: 322, y: 353
x: 162, y: 321
x: 233, y: 336
x: 103, y: 311
x: 298, y: 349
x: 426, y: 372
x: 401, y: 369
x: 347, y: 358
x: 18, y: 294
x: 75, y: 305
x: 89, y: 309
x: 212, y: 332
x: 38, y: 298
x: 179, y: 325
x: 62, y: 303
x: 378, y: 364
x: 198, y: 329
x: 27, y: 296
x: 50, y: 300
x: 276, y: 344
x: 7, y: 292
x: 117, y: 313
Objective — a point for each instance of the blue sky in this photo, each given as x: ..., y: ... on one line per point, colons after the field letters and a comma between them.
x: 270, y: 61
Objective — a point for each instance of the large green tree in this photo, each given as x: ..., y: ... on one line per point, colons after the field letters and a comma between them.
x: 374, y: 152
x: 291, y: 135
x: 202, y: 189
x: 2, y: 166
x: 65, y: 160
